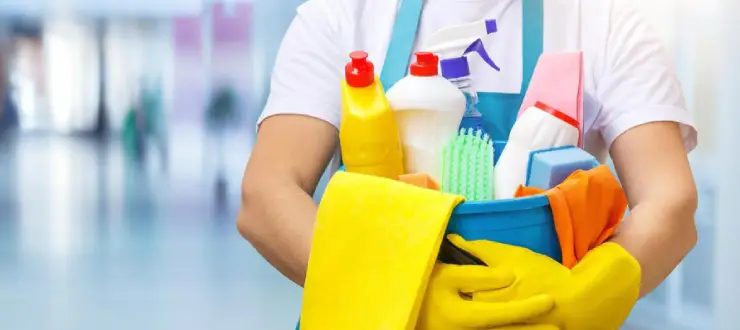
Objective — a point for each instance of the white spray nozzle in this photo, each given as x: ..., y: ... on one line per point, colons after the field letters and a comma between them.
x: 477, y: 47
x: 458, y: 41
x: 469, y: 32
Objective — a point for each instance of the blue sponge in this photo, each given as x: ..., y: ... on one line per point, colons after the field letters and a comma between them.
x: 550, y: 167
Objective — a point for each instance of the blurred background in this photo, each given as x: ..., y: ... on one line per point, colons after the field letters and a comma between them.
x: 125, y: 127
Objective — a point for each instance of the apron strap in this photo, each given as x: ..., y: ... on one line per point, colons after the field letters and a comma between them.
x: 402, y: 42
x: 500, y: 110
x: 533, y: 34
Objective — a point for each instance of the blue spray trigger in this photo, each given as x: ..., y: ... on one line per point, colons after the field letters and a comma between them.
x: 491, y: 26
x: 478, y: 47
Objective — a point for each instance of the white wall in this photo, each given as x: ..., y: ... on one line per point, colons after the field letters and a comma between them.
x: 71, y: 63
x: 136, y: 53
x: 271, y: 20
x: 726, y: 134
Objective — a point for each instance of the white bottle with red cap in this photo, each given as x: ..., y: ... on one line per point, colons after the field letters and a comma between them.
x: 428, y: 110
x: 539, y: 127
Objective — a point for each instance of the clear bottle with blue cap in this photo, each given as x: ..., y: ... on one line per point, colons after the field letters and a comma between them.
x: 457, y: 71
x: 454, y: 44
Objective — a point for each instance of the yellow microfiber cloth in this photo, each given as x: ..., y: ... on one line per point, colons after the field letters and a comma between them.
x: 374, y: 246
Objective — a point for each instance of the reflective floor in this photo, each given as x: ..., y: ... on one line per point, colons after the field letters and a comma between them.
x: 91, y: 240
x: 88, y: 241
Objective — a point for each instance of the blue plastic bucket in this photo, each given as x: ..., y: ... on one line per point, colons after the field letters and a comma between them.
x: 525, y: 222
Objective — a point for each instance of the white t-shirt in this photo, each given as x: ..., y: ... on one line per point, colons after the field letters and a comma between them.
x: 629, y: 78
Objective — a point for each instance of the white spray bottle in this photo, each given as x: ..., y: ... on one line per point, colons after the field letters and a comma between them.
x: 453, y: 44
x: 453, y: 41
x: 539, y: 127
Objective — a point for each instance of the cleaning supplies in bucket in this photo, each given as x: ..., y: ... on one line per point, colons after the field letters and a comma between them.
x: 467, y: 166
x: 428, y: 109
x: 368, y: 132
x: 539, y: 127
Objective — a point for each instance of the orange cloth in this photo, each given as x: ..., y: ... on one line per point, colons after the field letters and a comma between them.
x: 587, y: 207
x: 420, y: 180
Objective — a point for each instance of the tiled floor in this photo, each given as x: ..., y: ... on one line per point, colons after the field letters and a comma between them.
x: 91, y: 241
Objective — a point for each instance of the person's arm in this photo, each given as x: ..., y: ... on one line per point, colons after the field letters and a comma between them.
x: 278, y: 212
x: 645, y: 124
x: 654, y: 170
x: 297, y: 137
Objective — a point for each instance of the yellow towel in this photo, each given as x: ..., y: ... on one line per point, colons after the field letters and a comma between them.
x: 374, y: 246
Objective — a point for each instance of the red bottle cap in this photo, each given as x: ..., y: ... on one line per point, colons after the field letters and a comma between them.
x: 359, y: 72
x: 558, y: 114
x: 426, y: 65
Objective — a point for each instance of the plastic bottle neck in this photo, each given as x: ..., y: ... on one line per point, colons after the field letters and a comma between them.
x: 557, y: 114
x: 462, y: 82
x: 359, y: 72
x: 426, y: 65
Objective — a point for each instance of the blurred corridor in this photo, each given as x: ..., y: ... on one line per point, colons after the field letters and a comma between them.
x: 89, y: 242
x: 120, y: 165
x: 124, y: 134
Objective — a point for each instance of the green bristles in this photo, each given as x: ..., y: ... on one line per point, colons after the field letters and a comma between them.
x: 467, y: 166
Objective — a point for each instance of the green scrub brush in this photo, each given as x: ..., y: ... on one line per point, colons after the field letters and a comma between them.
x: 467, y: 166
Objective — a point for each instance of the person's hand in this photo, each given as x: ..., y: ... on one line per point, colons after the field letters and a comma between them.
x: 447, y: 304
x: 598, y: 293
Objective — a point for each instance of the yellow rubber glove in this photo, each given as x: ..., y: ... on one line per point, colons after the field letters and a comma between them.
x: 598, y: 293
x: 529, y: 327
x: 447, y: 305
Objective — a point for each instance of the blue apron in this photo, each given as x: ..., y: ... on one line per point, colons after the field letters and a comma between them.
x: 499, y: 110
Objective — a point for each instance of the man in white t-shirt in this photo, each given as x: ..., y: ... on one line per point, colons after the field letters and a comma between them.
x: 634, y: 111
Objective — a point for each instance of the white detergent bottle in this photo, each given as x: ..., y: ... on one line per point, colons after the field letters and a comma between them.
x: 539, y: 127
x: 428, y: 110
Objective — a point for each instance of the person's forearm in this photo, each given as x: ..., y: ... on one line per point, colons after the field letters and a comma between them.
x: 281, y: 234
x: 658, y: 235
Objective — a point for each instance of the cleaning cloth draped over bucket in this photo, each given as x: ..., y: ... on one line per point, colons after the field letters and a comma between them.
x: 375, y: 243
x: 587, y: 207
